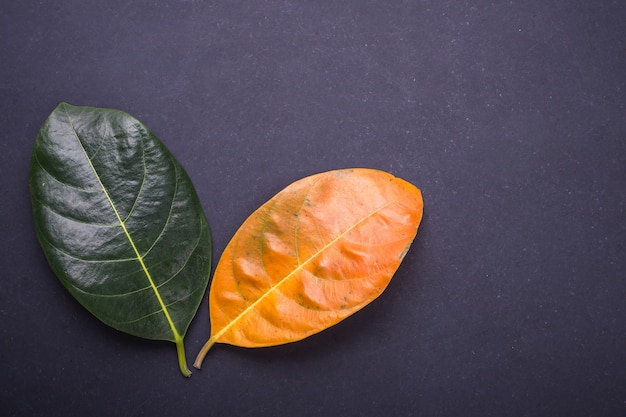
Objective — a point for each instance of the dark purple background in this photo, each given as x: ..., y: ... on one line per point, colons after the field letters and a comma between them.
x: 510, y: 116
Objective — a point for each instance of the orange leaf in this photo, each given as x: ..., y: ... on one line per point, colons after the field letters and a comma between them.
x: 318, y: 251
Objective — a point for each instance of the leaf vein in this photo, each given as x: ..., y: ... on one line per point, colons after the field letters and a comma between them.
x: 77, y: 258
x: 297, y: 227
x: 119, y: 295
x: 261, y: 245
x: 169, y: 214
x: 390, y: 242
x: 186, y: 260
x: 177, y: 336
x: 72, y: 219
x: 149, y: 314
x: 143, y: 180
x: 91, y: 158
x: 56, y: 179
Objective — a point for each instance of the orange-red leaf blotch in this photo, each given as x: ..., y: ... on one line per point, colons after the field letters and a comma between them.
x: 321, y: 249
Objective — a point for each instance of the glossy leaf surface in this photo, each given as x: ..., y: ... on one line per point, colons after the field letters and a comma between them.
x: 120, y: 222
x: 315, y: 253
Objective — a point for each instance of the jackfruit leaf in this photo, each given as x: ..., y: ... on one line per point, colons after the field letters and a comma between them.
x: 318, y: 251
x: 120, y: 222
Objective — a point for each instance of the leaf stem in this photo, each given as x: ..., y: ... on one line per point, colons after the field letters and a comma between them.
x: 182, y: 361
x: 205, y: 349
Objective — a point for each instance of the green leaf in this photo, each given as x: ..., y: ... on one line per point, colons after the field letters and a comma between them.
x: 120, y: 222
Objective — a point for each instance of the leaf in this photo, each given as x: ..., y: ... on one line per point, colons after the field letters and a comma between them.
x: 120, y: 222
x: 315, y: 253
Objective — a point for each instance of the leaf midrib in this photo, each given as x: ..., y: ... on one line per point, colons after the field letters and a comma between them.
x: 138, y: 257
x: 298, y: 268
